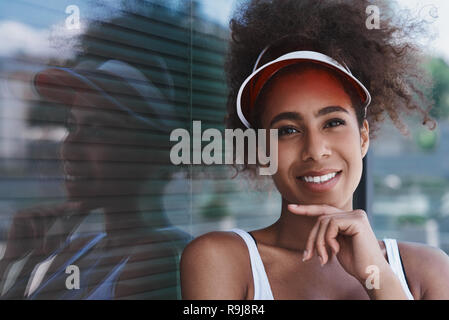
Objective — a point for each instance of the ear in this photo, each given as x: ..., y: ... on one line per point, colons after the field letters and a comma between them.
x: 364, y: 138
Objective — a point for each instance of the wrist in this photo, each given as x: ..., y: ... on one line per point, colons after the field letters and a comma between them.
x: 373, y: 270
x: 381, y: 283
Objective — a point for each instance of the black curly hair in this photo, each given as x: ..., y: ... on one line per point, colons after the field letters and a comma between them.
x: 386, y: 60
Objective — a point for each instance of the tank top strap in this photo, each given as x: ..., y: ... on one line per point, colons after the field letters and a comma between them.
x: 394, y: 259
x: 262, y: 289
x: 106, y: 289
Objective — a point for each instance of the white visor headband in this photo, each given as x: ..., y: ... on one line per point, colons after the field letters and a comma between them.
x: 252, y: 85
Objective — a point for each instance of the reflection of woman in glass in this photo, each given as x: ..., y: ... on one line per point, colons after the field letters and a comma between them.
x: 114, y: 159
x: 314, y: 72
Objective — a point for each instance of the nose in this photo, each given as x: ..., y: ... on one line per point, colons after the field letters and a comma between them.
x: 72, y: 147
x: 315, y: 147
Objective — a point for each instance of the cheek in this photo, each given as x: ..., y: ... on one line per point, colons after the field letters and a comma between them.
x: 287, y: 156
x: 98, y: 160
x: 350, y: 151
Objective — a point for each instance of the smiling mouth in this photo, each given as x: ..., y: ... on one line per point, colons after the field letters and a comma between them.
x: 320, y: 179
x: 71, y: 178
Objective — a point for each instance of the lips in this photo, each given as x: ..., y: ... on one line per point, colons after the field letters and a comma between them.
x: 71, y: 178
x: 72, y: 173
x: 316, y: 185
x: 319, y: 173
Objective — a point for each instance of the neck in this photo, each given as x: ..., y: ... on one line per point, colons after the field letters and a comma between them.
x: 291, y: 231
x: 123, y: 219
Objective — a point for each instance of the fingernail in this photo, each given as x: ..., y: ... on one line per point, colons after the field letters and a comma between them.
x: 322, y: 261
x: 293, y: 205
x: 304, y: 255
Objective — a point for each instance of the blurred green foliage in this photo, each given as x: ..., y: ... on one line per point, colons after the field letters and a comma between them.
x: 439, y: 71
x: 426, y: 139
x: 411, y: 220
x: 215, y: 209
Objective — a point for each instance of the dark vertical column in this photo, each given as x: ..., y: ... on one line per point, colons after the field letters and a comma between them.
x: 363, y: 195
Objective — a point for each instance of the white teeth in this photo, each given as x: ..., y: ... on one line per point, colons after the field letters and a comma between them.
x: 73, y: 178
x: 320, y: 179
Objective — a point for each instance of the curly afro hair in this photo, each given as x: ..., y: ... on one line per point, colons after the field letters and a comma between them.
x: 386, y: 60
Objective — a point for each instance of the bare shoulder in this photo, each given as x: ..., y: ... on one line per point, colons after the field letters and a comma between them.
x: 427, y: 270
x: 215, y: 266
x: 215, y: 249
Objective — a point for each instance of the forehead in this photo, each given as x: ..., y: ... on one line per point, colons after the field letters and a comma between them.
x: 90, y: 107
x: 305, y: 91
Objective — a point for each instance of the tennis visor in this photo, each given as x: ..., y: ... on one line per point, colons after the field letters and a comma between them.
x: 252, y: 86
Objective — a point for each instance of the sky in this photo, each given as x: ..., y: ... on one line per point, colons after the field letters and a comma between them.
x: 25, y: 26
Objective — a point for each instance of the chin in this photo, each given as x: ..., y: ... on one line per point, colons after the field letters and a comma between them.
x: 314, y: 199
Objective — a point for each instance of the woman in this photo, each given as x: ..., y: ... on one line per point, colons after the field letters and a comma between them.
x: 110, y: 157
x: 314, y: 72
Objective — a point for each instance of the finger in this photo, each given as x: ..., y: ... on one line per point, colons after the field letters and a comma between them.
x: 342, y: 224
x: 310, y: 244
x: 73, y: 206
x: 331, y: 235
x: 312, y: 210
x: 320, y: 242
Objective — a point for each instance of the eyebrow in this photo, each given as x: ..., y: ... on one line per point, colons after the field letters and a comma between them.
x: 297, y: 116
x: 104, y: 119
x: 331, y: 109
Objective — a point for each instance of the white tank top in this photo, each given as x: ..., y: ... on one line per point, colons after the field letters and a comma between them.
x: 262, y: 289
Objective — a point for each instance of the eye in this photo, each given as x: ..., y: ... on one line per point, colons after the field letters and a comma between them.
x: 283, y: 131
x: 70, y: 125
x: 335, y: 123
